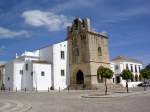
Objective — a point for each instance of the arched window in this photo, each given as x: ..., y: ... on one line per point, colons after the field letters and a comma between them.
x: 99, y: 51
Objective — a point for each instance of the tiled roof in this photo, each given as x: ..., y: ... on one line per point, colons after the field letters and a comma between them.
x: 125, y: 59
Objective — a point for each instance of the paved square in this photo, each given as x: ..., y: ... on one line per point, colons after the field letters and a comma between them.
x: 72, y: 102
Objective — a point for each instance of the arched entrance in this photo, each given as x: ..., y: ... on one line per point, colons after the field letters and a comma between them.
x: 80, y: 77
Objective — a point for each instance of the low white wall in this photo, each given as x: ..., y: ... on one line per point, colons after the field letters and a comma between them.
x: 130, y: 84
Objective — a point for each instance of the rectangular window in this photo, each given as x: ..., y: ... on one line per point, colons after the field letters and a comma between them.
x: 139, y: 68
x: 127, y: 66
x: 31, y: 73
x: 116, y: 67
x: 62, y: 72
x: 135, y: 68
x: 131, y: 68
x: 26, y: 67
x: 62, y: 55
x: 8, y: 78
x: 42, y: 73
x: 21, y: 72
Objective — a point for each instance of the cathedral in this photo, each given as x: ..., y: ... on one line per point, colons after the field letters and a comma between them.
x: 72, y: 63
x: 88, y: 50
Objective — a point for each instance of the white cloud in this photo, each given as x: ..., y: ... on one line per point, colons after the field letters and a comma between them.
x: 7, y: 33
x: 50, y: 20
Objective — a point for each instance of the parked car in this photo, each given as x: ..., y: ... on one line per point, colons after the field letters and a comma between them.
x: 144, y: 84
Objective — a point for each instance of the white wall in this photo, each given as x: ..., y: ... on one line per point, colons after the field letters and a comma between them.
x: 122, y: 66
x: 130, y: 84
x: 34, y: 55
x: 60, y: 82
x: 31, y: 54
x: 9, y: 72
x: 133, y: 66
x: 12, y: 70
x: 46, y: 54
x: 53, y: 56
x: 17, y: 76
x: 41, y: 82
x: 27, y: 78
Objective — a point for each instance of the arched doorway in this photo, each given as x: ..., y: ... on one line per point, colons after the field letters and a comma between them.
x: 80, y: 77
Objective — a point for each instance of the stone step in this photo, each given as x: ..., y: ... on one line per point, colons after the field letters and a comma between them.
x: 100, y: 86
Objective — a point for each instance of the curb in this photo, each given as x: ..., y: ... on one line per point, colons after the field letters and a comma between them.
x: 116, y: 95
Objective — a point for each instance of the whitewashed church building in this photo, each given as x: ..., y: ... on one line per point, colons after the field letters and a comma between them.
x: 41, y: 69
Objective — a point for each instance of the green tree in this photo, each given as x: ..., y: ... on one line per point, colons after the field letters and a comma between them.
x: 105, y: 73
x: 127, y: 75
x: 145, y: 73
x: 136, y: 77
x: 140, y: 77
x: 147, y: 67
x: 132, y: 77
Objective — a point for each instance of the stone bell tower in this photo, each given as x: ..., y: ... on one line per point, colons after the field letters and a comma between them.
x: 87, y: 51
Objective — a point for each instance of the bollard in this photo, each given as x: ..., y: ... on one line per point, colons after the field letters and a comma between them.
x: 59, y: 89
x: 25, y: 90
x: 36, y: 89
x: 48, y: 89
x: 68, y: 88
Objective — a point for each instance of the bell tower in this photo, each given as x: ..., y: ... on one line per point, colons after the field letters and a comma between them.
x: 87, y: 51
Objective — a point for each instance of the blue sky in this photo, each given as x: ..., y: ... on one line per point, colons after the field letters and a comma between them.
x: 31, y: 24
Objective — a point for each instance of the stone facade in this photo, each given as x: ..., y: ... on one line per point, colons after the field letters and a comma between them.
x: 88, y: 50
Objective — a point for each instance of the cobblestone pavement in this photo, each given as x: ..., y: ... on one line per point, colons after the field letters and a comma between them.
x: 72, y: 102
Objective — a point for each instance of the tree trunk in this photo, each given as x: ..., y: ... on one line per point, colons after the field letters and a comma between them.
x: 127, y: 86
x: 144, y: 85
x: 105, y: 86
